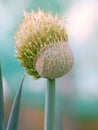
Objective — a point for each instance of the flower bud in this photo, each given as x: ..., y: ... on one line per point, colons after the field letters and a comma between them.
x: 42, y: 45
x: 54, y: 61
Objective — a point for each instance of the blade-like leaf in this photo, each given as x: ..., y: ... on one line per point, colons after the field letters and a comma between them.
x: 1, y: 103
x: 13, y: 119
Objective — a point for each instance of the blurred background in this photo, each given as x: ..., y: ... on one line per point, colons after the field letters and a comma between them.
x: 76, y: 92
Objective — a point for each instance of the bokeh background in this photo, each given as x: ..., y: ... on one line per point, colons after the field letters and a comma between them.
x: 76, y: 92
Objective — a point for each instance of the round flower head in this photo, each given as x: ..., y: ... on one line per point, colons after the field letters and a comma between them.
x: 41, y: 45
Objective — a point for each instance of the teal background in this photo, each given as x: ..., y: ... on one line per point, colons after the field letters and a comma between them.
x: 79, y: 88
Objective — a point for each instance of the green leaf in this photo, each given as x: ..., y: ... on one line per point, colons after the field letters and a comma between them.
x: 1, y: 103
x: 13, y: 119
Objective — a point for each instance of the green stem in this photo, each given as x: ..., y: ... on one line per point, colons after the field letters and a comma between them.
x: 49, y: 105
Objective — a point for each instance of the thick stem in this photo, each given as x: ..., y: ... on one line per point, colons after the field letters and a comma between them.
x: 49, y: 105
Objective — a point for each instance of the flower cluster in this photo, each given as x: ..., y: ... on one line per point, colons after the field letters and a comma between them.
x: 39, y: 32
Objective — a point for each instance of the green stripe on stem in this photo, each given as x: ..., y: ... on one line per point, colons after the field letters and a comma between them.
x: 49, y: 105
